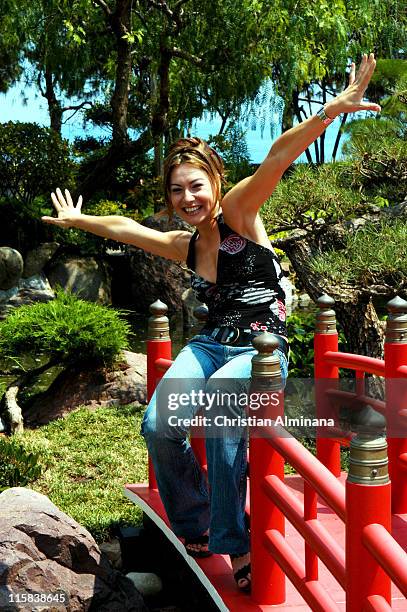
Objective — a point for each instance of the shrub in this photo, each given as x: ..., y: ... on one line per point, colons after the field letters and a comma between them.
x: 18, y: 467
x: 68, y: 329
x: 300, y: 331
x: 374, y: 254
x: 379, y: 164
x: 309, y: 194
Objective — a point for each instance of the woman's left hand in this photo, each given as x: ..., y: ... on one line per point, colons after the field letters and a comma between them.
x: 351, y: 99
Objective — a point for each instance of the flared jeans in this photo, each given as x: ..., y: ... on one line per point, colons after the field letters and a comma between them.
x: 187, y: 389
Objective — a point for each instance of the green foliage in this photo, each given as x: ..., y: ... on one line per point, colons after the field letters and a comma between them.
x: 69, y: 330
x: 11, y: 40
x: 33, y: 160
x: 65, y: 50
x: 378, y: 165
x: 105, y: 208
x: 92, y: 455
x: 373, y: 254
x: 232, y: 146
x: 309, y: 194
x: 300, y: 332
x: 390, y: 76
x: 127, y: 176
x: 146, y: 197
x: 18, y: 467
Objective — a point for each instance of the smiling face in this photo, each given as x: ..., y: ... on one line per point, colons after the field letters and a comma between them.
x: 192, y: 194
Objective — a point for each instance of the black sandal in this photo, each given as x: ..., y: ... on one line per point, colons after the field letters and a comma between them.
x: 202, y: 540
x: 242, y: 573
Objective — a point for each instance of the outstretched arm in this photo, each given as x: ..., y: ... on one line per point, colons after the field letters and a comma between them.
x: 247, y: 196
x: 172, y: 245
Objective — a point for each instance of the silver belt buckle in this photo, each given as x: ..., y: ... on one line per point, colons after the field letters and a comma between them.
x: 232, y: 338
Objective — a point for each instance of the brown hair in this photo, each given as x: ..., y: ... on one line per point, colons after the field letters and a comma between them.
x: 198, y: 153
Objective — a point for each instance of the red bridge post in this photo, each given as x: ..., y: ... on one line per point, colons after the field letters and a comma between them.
x: 268, y: 579
x: 325, y: 339
x: 395, y: 356
x: 158, y: 347
x: 368, y: 500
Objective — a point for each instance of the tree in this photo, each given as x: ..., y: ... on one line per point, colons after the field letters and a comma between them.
x: 316, y: 45
x: 64, y: 54
x: 175, y: 61
x: 33, y: 160
x: 11, y: 43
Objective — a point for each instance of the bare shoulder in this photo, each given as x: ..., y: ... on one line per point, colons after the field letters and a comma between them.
x: 249, y: 194
x: 249, y: 226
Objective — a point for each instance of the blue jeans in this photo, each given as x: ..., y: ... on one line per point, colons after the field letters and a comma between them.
x: 182, y: 485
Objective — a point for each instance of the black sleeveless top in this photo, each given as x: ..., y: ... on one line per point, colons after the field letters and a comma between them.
x: 248, y: 293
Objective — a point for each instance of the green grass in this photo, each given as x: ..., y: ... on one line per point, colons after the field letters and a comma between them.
x: 90, y: 455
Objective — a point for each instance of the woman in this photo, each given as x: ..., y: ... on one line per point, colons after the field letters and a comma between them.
x: 237, y: 274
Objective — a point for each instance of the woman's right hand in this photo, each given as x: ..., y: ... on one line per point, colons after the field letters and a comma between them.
x: 66, y: 210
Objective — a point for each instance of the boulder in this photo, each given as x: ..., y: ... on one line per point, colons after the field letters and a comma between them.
x: 43, y: 550
x: 154, y: 277
x: 124, y: 385
x: 89, y: 278
x: 36, y: 259
x: 28, y: 291
x: 11, y: 268
x: 146, y: 583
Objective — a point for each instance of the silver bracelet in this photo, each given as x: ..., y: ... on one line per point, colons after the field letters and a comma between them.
x: 323, y: 116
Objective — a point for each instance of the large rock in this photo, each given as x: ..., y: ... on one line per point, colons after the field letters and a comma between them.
x: 87, y: 277
x: 71, y: 389
x: 11, y: 268
x: 44, y: 550
x: 154, y: 277
x: 37, y: 258
x: 28, y: 291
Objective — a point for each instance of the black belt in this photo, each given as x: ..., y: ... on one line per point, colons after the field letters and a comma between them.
x: 237, y: 336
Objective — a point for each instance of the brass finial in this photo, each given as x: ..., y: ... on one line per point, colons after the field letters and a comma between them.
x: 158, y: 324
x: 396, y: 327
x: 266, y: 365
x: 326, y: 319
x: 368, y: 460
x: 201, y: 313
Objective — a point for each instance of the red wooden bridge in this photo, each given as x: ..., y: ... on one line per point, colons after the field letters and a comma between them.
x: 321, y: 539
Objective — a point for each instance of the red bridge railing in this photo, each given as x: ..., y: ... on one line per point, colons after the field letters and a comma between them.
x: 371, y: 559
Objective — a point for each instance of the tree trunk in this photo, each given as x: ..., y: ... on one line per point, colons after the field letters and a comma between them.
x: 322, y: 137
x: 12, y: 409
x: 159, y: 123
x: 288, y: 116
x: 54, y: 105
x: 297, y: 112
x: 121, y: 24
x: 339, y: 136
